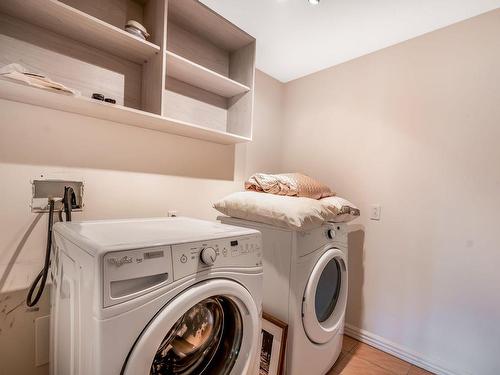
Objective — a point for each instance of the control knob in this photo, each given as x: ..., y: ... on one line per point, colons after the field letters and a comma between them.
x: 330, y: 233
x: 208, y: 256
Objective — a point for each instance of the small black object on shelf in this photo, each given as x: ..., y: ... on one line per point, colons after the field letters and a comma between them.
x: 97, y: 96
x: 109, y: 100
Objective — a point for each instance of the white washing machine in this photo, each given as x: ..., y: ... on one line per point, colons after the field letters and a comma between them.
x: 305, y: 285
x: 155, y: 296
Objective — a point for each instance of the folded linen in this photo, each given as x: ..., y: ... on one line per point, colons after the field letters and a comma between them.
x: 291, y: 184
x: 297, y: 213
x: 19, y: 73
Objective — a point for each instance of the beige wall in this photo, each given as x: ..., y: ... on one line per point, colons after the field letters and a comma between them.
x: 415, y: 128
x: 128, y: 172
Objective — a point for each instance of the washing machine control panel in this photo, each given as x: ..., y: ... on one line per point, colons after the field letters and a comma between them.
x: 234, y: 252
x: 130, y: 273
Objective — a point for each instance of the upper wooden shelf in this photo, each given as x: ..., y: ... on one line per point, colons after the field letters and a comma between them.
x: 198, y: 18
x: 196, y: 75
x: 75, y: 24
x: 19, y: 92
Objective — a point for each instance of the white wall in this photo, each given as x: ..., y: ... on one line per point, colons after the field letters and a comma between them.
x: 128, y: 172
x: 415, y: 128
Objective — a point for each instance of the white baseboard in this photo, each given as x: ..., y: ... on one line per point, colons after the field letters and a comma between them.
x: 396, y: 350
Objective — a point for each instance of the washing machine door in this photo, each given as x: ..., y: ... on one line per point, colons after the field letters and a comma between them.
x: 325, y: 297
x: 211, y: 328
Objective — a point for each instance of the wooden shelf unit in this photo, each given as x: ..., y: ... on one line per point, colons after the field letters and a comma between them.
x: 194, y: 77
x: 210, y: 69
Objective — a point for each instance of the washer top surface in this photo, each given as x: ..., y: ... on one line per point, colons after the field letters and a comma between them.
x: 112, y: 235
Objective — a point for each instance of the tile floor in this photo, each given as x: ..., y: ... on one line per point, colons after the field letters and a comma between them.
x: 361, y: 359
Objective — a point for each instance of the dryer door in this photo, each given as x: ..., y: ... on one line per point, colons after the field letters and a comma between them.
x: 210, y: 328
x: 325, y: 297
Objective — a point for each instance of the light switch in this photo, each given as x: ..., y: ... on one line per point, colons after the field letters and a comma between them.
x: 375, y: 212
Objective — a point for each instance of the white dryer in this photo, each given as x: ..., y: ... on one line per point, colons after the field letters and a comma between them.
x: 305, y: 285
x: 155, y: 296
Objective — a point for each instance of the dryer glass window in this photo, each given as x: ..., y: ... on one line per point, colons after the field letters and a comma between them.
x: 205, y: 340
x: 328, y: 290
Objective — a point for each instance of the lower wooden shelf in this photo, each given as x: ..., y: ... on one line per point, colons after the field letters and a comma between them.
x: 128, y: 116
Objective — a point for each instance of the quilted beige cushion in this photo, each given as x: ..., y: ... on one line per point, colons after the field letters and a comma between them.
x: 295, y: 213
x: 291, y: 184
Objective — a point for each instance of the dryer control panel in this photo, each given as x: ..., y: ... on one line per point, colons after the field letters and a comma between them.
x: 334, y: 234
x: 233, y: 252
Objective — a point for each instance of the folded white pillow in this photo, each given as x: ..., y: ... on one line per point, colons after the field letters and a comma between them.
x: 346, y: 210
x: 297, y: 213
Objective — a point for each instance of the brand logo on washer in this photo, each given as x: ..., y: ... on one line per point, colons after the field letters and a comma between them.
x: 119, y: 261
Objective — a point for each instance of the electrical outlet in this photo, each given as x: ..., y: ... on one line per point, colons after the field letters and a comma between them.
x: 172, y: 213
x: 43, y: 189
x: 375, y: 211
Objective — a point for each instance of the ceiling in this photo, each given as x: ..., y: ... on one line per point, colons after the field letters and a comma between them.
x: 295, y: 38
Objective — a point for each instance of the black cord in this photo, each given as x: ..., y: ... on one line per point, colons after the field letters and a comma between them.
x: 68, y: 201
x: 42, y: 276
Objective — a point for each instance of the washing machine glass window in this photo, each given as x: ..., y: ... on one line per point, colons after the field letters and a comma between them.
x: 205, y: 340
x: 212, y: 328
x: 328, y: 290
x: 325, y: 297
